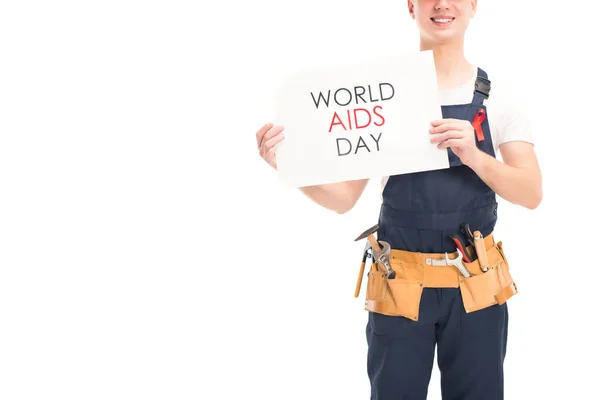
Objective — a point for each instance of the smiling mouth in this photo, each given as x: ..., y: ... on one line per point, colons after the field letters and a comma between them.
x: 442, y: 20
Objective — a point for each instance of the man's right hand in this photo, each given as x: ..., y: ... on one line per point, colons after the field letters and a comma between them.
x: 338, y: 196
x: 267, y: 138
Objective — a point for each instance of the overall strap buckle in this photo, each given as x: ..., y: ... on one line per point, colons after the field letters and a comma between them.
x: 483, y: 86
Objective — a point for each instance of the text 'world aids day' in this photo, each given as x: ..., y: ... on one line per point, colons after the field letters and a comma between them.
x: 361, y: 125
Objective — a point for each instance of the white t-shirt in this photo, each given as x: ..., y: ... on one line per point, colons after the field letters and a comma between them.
x: 507, y: 111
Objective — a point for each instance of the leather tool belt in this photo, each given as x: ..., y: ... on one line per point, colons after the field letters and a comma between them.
x: 401, y: 296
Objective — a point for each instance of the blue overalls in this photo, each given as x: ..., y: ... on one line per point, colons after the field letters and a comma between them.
x: 418, y: 213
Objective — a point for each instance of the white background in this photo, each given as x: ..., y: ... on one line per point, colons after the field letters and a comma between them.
x: 147, y: 252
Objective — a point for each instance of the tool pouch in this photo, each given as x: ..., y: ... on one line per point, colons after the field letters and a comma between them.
x: 484, y: 289
x: 395, y: 297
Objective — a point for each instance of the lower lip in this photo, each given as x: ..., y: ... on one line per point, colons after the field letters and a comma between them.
x: 442, y: 24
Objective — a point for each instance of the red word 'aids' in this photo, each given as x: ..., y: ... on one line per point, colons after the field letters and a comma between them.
x: 357, y: 118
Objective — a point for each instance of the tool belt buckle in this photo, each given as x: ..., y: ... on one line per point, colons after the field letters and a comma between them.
x: 436, y: 262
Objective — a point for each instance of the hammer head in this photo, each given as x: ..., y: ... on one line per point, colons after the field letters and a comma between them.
x: 368, y: 232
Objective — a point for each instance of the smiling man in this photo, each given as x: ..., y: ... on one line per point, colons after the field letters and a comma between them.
x: 421, y: 212
x: 426, y: 216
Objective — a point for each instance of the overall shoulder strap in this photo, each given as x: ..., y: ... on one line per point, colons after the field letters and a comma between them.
x: 482, y: 87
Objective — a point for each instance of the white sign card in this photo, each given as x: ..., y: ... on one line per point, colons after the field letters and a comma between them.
x: 359, y: 121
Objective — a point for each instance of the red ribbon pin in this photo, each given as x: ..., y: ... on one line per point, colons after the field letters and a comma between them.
x: 479, y: 118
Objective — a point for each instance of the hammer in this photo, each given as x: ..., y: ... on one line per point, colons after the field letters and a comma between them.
x: 362, y: 269
x: 369, y: 235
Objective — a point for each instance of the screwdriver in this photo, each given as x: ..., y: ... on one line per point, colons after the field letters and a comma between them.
x: 481, y: 251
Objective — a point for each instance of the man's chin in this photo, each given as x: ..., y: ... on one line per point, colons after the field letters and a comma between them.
x: 443, y: 38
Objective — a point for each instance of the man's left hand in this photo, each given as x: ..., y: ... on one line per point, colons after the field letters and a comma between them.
x: 458, y: 134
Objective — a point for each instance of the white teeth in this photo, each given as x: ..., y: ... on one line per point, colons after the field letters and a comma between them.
x: 442, y: 20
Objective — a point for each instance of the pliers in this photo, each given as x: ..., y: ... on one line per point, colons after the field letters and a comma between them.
x: 468, y: 233
x: 461, y: 246
x: 466, y: 230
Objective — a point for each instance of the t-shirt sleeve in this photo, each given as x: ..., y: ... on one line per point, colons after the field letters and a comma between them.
x: 513, y: 115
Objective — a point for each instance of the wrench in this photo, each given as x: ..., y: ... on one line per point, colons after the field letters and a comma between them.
x: 380, y: 249
x: 383, y: 256
x: 458, y: 263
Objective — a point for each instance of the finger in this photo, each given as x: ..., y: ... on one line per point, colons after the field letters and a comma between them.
x: 275, y: 130
x: 450, y: 143
x: 447, y: 135
x: 442, y: 121
x: 268, y: 144
x: 445, y: 127
x: 261, y: 132
x: 271, y: 156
